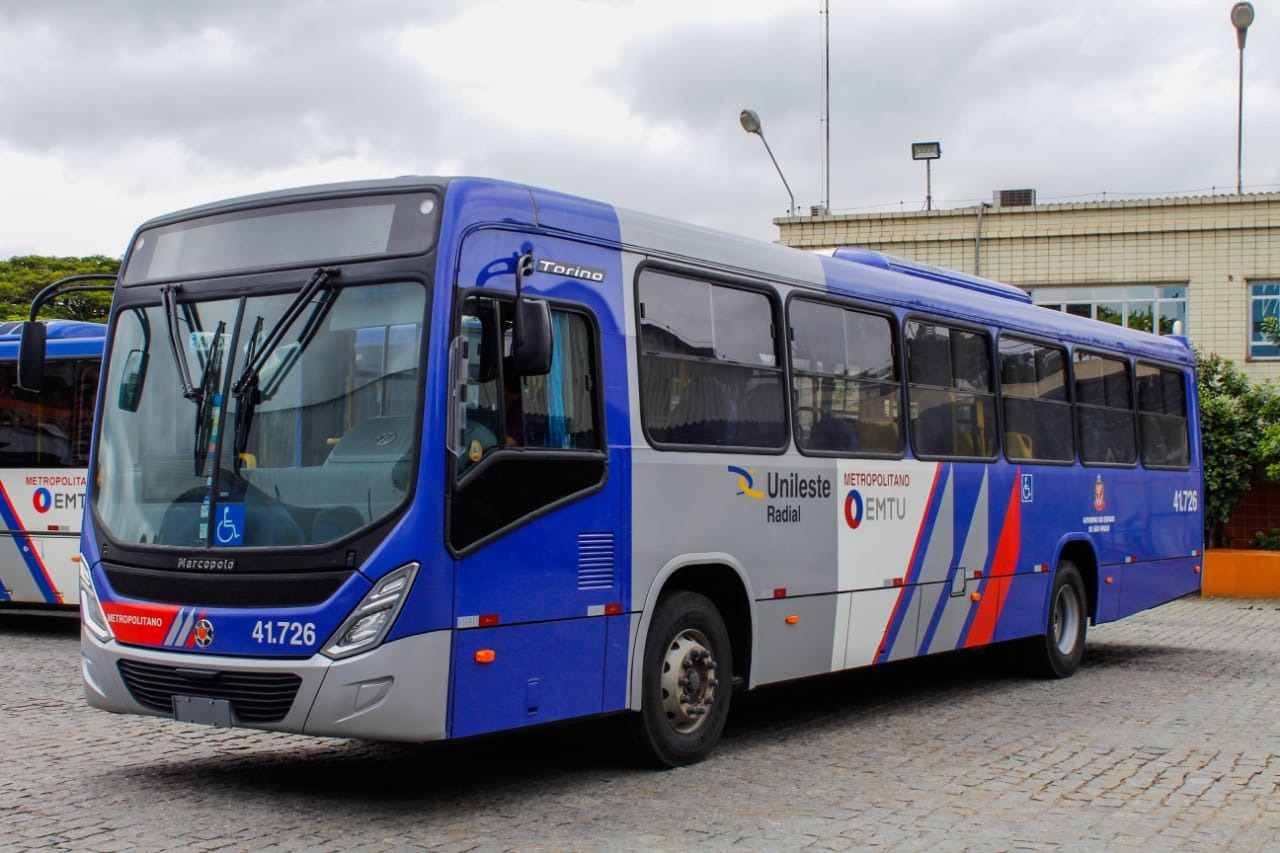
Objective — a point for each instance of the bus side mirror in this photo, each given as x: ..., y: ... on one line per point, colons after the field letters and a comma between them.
x: 135, y: 374
x: 532, y: 348
x: 31, y: 356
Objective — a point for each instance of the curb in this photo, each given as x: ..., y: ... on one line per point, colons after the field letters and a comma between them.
x: 1239, y: 573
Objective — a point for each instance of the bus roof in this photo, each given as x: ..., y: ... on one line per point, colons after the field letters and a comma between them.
x: 854, y: 273
x: 63, y: 339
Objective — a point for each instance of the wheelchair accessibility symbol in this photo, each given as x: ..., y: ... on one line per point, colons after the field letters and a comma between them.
x: 229, y: 530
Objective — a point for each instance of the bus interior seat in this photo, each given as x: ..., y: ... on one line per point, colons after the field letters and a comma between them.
x: 382, y: 439
x: 878, y: 436
x: 833, y: 433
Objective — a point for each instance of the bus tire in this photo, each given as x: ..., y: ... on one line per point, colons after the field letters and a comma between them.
x: 1057, y: 653
x: 686, y: 682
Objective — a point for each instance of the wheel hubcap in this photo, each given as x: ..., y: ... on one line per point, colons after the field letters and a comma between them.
x: 688, y: 681
x: 1066, y: 620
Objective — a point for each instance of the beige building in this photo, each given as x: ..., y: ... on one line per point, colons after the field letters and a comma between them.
x: 1211, y: 263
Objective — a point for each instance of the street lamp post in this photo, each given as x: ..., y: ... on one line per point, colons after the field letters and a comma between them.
x: 1241, y: 18
x: 928, y: 152
x: 751, y: 124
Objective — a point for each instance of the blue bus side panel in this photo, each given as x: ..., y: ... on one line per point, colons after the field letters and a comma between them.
x: 1148, y: 584
x: 539, y: 673
x: 617, y: 653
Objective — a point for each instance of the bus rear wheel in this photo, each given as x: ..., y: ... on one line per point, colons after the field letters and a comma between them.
x: 686, y: 683
x: 1057, y: 653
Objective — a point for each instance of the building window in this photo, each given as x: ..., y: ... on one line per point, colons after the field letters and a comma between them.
x: 1145, y: 307
x: 1264, y: 306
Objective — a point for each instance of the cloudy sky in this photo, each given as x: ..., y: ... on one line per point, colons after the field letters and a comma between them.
x: 111, y: 113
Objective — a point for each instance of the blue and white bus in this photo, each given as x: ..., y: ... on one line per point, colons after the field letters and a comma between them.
x: 428, y: 458
x: 44, y: 452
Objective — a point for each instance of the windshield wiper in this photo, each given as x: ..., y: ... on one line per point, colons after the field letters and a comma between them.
x: 257, y: 358
x: 207, y: 393
x: 168, y: 294
x: 246, y: 390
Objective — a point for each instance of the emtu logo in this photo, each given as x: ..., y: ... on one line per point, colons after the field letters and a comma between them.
x: 853, y: 509
x: 746, y: 483
x: 42, y: 500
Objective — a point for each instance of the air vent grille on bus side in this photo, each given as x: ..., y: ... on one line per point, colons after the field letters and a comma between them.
x: 256, y: 697
x: 595, y: 560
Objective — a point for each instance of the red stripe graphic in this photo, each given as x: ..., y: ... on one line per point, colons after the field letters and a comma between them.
x: 1005, y: 563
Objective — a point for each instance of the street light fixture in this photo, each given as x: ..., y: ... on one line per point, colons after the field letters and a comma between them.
x: 751, y: 124
x: 1241, y: 18
x: 928, y: 152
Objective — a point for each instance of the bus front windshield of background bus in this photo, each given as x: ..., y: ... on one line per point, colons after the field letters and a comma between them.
x: 318, y: 443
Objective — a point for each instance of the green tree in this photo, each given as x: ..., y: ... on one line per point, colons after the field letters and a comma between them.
x: 1234, y: 415
x: 22, y: 277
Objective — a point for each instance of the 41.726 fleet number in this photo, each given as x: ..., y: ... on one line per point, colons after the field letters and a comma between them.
x: 283, y: 633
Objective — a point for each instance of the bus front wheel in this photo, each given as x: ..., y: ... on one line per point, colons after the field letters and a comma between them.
x: 687, y: 681
x: 1057, y: 653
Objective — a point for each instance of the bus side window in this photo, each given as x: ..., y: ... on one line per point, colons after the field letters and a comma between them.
x: 845, y: 380
x: 710, y: 375
x: 1033, y: 391
x: 1104, y: 406
x: 1162, y: 417
x: 951, y: 396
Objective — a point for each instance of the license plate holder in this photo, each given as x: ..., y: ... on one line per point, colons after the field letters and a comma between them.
x: 202, y: 710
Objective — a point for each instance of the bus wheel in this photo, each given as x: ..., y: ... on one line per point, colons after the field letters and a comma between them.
x: 687, y: 681
x: 1058, y: 652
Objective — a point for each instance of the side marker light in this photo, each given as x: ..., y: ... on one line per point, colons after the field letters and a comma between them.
x: 793, y: 619
x: 485, y: 656
x: 977, y: 596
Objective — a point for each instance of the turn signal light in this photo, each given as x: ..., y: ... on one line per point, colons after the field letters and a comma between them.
x: 485, y: 656
x: 793, y: 619
x: 977, y: 596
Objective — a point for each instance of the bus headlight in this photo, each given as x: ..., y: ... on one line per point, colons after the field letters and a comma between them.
x: 370, y: 621
x: 91, y: 615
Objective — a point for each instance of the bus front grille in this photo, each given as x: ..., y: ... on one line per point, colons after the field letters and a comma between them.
x: 256, y: 697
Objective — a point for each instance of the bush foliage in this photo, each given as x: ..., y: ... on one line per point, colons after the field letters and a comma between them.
x: 22, y: 277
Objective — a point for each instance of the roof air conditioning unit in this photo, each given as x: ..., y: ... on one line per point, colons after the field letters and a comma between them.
x: 1013, y: 198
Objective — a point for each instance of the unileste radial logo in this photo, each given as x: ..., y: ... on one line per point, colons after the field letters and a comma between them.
x: 746, y: 482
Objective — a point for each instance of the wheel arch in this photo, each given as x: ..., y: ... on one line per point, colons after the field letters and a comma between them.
x: 1081, y: 553
x: 722, y: 579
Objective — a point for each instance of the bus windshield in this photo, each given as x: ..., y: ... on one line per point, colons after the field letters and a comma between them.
x: 314, y: 441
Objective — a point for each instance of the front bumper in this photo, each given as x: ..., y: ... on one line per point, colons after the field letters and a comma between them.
x: 396, y: 692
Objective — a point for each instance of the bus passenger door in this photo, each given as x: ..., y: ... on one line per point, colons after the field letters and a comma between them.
x: 534, y: 516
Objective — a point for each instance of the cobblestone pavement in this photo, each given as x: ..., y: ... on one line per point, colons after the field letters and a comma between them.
x: 1167, y: 738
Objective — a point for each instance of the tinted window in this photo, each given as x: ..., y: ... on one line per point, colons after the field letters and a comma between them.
x: 709, y: 372
x: 952, y: 404
x: 1105, y: 410
x: 1033, y: 389
x: 1162, y: 417
x: 50, y: 429
x: 844, y: 380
